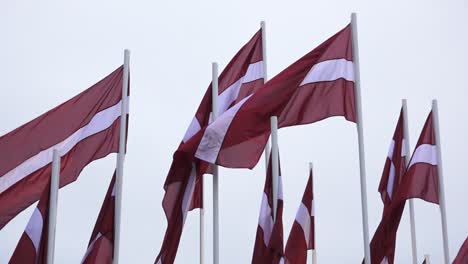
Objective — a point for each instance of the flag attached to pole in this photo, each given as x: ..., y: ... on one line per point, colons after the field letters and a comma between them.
x: 462, y: 256
x: 184, y: 189
x: 83, y: 129
x: 269, y: 238
x: 317, y: 86
x: 101, y: 245
x: 302, y: 235
x: 32, y: 246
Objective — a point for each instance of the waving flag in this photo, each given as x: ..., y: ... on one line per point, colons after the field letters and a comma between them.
x: 269, y: 238
x: 183, y: 186
x: 462, y: 256
x: 317, y: 86
x: 101, y: 245
x: 83, y: 129
x: 32, y: 247
x: 301, y: 237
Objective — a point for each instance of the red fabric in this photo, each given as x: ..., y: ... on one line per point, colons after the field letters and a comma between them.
x: 462, y: 256
x: 293, y: 103
x: 177, y: 181
x: 273, y: 251
x: 51, y: 128
x: 25, y: 251
x: 299, y: 242
x: 101, y: 244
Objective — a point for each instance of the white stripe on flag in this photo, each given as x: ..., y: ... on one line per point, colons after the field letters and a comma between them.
x: 303, y: 219
x: 91, y: 246
x: 100, y: 122
x: 330, y: 70
x: 34, y: 228
x: 189, y: 189
x: 265, y: 220
x: 424, y: 153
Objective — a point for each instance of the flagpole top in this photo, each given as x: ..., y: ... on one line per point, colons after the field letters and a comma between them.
x: 311, y: 165
x: 262, y: 24
x: 214, y: 65
x: 353, y: 16
x: 434, y: 103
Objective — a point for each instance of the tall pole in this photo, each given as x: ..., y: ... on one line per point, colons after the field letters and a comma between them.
x: 121, y: 156
x: 314, y: 251
x: 443, y: 213
x: 265, y: 79
x: 274, y: 162
x: 407, y: 161
x: 362, y: 163
x: 53, y: 200
x: 214, y: 105
x: 202, y: 224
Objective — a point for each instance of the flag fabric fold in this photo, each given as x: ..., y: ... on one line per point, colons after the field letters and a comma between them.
x: 269, y: 238
x: 83, y: 129
x: 317, y: 86
x: 184, y: 189
x: 462, y: 256
x: 32, y: 246
x: 101, y: 244
x: 301, y: 237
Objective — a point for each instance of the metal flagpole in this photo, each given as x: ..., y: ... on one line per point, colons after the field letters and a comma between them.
x: 362, y: 163
x: 121, y: 156
x: 214, y: 107
x: 265, y: 79
x: 314, y: 251
x: 274, y: 162
x: 406, y: 150
x: 202, y: 224
x: 426, y: 259
x: 443, y: 213
x: 53, y: 200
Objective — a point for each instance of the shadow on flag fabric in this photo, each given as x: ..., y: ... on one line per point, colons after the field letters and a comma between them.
x: 394, y: 169
x: 317, y: 86
x: 83, y: 129
x: 101, y: 245
x: 462, y: 256
x: 269, y: 238
x: 301, y: 237
x: 419, y: 181
x: 32, y: 246
x: 184, y: 183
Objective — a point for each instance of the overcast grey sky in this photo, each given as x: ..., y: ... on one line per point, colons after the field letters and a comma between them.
x: 52, y: 50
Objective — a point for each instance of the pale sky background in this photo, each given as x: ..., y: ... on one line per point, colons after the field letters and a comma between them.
x: 52, y: 50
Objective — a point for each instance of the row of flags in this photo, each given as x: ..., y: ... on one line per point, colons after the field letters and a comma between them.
x: 321, y: 84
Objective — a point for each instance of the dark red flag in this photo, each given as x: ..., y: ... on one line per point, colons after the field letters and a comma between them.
x: 462, y: 256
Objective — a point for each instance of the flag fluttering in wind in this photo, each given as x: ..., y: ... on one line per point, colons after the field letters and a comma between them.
x: 184, y: 189
x: 394, y: 169
x: 269, y: 238
x: 317, y: 86
x: 462, y: 256
x: 32, y: 246
x: 83, y: 129
x: 302, y: 235
x: 101, y: 245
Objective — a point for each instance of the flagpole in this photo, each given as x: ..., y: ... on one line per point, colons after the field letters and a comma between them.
x: 202, y: 224
x: 407, y: 161
x: 214, y: 105
x: 121, y: 156
x: 53, y: 200
x: 274, y: 162
x: 362, y: 163
x: 265, y: 79
x: 443, y: 213
x: 426, y: 258
x: 314, y: 251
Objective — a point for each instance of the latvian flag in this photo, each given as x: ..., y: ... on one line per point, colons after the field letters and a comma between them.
x: 101, y: 245
x: 384, y: 240
x: 184, y: 189
x: 83, y: 129
x: 301, y: 237
x: 462, y: 256
x: 32, y: 247
x: 317, y: 86
x: 269, y: 239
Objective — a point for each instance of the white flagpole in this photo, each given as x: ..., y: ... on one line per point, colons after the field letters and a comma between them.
x: 443, y: 213
x: 407, y: 160
x: 265, y: 79
x: 121, y: 156
x: 274, y: 162
x: 202, y: 225
x: 427, y: 259
x: 362, y: 163
x: 214, y: 105
x: 314, y: 251
x: 53, y: 200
